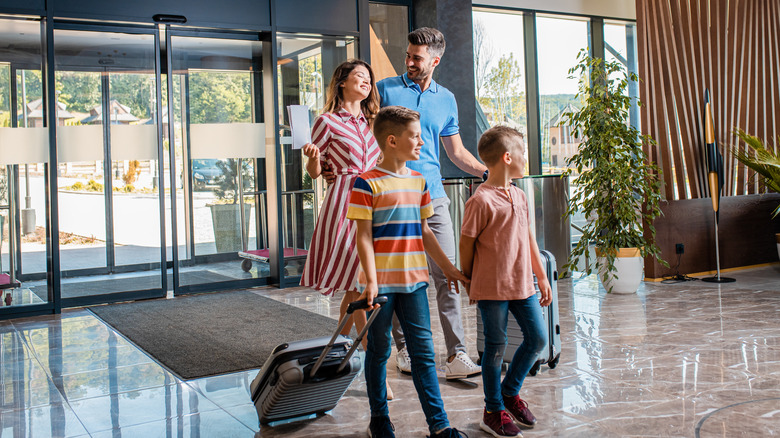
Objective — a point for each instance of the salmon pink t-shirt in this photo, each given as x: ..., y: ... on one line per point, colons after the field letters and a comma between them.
x: 497, y: 218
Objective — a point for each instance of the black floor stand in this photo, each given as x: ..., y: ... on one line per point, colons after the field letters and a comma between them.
x: 717, y: 278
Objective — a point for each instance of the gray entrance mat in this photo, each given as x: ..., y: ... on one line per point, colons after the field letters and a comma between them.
x: 215, y: 333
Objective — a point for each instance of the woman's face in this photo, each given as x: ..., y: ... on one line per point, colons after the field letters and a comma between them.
x: 358, y: 84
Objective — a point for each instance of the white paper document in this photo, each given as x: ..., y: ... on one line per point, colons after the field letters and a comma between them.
x: 299, y: 125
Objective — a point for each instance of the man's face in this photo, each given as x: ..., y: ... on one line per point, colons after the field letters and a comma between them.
x: 420, y: 63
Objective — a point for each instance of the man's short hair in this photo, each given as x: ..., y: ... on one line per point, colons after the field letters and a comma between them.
x: 428, y: 36
x: 392, y: 120
x: 497, y: 141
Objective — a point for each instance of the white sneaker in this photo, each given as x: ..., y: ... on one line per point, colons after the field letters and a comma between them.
x: 461, y: 367
x: 403, y: 362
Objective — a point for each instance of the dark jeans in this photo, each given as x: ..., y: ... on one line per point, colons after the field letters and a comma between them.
x: 414, y: 315
x: 495, y: 314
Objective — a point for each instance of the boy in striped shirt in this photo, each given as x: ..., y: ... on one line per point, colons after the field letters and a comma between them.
x: 390, y: 204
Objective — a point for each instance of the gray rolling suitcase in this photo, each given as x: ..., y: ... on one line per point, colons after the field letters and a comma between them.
x: 310, y: 376
x: 550, y: 355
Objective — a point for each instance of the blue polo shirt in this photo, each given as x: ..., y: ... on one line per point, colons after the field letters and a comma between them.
x: 438, y: 118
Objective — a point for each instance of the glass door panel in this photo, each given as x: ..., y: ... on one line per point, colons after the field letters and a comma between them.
x: 109, y: 215
x: 220, y: 149
x: 306, y: 66
x: 23, y: 156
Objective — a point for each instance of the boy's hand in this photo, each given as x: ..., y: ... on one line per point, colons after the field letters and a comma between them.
x: 311, y: 151
x: 467, y: 286
x: 454, y: 276
x: 369, y: 293
x: 546, y: 290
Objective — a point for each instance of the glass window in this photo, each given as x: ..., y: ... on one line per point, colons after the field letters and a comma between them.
x: 389, y: 26
x: 499, y: 70
x: 620, y: 45
x: 558, y: 42
x: 24, y: 152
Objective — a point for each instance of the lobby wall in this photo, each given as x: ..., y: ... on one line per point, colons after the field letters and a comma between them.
x: 733, y: 50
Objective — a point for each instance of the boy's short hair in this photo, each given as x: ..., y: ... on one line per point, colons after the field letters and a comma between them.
x: 495, y: 142
x: 392, y: 120
x: 428, y: 36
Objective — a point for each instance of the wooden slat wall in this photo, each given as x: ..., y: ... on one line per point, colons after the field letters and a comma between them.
x: 731, y: 47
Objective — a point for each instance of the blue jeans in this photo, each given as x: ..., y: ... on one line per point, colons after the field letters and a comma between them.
x: 414, y: 315
x: 528, y: 314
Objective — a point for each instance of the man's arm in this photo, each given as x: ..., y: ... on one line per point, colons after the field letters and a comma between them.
x: 461, y: 156
x: 364, y: 241
x: 437, y: 254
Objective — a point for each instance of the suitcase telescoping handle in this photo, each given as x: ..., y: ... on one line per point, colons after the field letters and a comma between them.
x: 355, y: 305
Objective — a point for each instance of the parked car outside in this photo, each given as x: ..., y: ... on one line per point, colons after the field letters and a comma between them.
x: 205, y: 174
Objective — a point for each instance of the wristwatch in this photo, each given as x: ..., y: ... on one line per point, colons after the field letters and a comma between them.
x: 485, y: 176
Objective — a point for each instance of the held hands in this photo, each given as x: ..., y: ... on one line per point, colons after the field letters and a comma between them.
x: 546, y: 290
x: 454, y: 276
x: 468, y: 292
x: 311, y: 151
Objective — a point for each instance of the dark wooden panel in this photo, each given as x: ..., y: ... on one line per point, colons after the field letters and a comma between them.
x: 747, y: 234
x: 332, y: 16
x: 226, y: 14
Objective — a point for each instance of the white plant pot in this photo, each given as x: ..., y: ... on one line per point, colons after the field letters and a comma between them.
x: 629, y: 269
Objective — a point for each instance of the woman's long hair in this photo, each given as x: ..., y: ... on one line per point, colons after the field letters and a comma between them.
x: 369, y: 105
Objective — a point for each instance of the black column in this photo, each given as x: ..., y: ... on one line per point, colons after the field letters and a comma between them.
x: 456, y: 70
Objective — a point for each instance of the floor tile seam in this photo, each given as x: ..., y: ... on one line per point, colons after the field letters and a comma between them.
x: 90, y: 432
x: 107, y: 369
x: 140, y: 388
x: 64, y: 403
x: 48, y: 374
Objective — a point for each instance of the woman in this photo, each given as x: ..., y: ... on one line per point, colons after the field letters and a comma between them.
x: 342, y: 141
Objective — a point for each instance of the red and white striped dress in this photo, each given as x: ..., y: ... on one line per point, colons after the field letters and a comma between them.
x: 348, y: 146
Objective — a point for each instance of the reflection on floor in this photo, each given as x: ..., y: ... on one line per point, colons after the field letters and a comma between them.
x: 690, y: 359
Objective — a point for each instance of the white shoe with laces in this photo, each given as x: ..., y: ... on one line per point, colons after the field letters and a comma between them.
x: 402, y: 361
x: 461, y: 367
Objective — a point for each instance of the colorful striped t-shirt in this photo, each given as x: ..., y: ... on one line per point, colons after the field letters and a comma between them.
x: 395, y: 204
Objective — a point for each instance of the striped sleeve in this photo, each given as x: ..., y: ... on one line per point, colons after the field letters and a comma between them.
x: 320, y: 135
x: 426, y: 206
x: 361, y: 201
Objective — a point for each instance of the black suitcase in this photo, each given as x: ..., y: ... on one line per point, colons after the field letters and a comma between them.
x: 552, y: 354
x: 309, y: 377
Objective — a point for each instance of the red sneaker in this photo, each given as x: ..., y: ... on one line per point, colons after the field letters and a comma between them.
x: 500, y: 425
x: 519, y: 409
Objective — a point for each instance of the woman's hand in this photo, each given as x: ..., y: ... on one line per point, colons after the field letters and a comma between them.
x: 311, y: 151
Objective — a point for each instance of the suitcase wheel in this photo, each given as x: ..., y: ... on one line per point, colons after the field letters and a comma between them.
x: 535, y: 368
x: 554, y: 363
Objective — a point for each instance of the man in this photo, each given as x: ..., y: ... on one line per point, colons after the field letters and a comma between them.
x: 438, y: 110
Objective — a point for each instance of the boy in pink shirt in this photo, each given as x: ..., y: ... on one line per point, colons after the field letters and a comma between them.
x: 499, y: 254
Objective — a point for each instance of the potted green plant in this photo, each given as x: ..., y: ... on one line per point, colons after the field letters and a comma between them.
x: 616, y: 187
x: 765, y: 162
x: 225, y: 211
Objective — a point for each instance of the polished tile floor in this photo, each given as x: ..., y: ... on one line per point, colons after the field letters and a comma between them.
x: 687, y: 359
